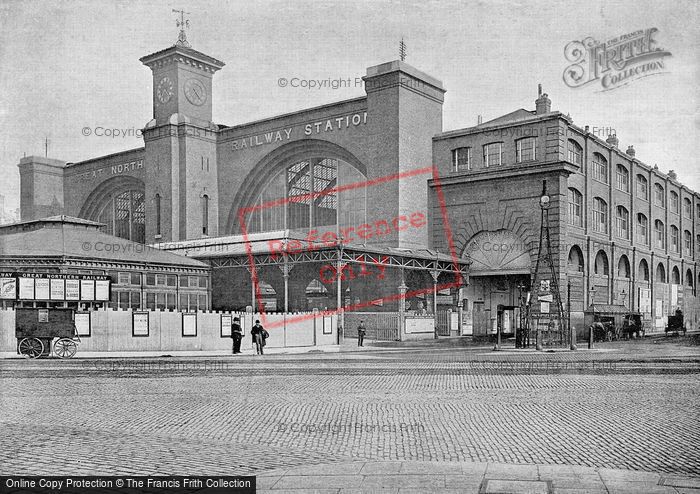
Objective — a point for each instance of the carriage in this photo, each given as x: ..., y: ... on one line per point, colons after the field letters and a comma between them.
x: 676, y: 323
x: 41, y: 332
x: 616, y: 321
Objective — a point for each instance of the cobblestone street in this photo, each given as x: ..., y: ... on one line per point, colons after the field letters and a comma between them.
x: 225, y: 415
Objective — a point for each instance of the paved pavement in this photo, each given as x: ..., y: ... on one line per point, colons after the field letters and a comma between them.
x: 631, y: 408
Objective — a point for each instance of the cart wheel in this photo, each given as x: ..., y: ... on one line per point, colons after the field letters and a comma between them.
x: 65, y: 348
x: 610, y: 336
x: 31, y: 347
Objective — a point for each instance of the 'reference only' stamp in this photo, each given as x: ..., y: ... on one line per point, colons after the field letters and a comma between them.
x: 352, y: 252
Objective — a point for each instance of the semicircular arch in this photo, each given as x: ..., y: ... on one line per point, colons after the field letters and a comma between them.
x: 276, y: 161
x: 498, y: 252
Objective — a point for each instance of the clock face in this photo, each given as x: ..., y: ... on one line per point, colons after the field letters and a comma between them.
x: 195, y: 92
x: 164, y: 90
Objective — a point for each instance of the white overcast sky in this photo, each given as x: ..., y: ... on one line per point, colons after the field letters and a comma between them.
x: 71, y: 64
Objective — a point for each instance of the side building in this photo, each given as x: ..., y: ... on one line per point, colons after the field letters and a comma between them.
x: 623, y: 232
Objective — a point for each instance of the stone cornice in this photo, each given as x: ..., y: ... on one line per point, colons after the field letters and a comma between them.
x: 182, y: 55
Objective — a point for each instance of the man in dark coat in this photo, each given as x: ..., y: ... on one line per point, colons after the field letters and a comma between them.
x: 258, y: 334
x: 236, y: 334
x: 361, y: 331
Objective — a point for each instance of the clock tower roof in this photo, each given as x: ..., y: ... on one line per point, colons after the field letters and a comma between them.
x: 182, y: 54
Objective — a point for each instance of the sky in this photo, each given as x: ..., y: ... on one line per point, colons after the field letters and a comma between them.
x: 69, y: 65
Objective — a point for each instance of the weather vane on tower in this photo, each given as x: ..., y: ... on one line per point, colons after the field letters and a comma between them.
x: 402, y: 50
x: 183, y: 24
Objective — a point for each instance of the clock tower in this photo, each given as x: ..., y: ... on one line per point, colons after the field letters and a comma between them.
x: 181, y: 180
x: 182, y: 82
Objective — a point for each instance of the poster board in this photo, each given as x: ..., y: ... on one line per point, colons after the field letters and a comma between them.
x: 82, y: 324
x: 189, y: 325
x: 226, y: 321
x: 139, y: 324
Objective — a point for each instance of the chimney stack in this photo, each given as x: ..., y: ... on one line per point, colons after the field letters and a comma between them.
x: 542, y: 104
x: 479, y: 120
x: 630, y: 151
x: 612, y: 140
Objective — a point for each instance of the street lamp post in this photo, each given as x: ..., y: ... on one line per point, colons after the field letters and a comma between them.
x: 591, y: 299
x: 520, y: 336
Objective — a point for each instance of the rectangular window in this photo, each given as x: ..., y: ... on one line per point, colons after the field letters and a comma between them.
x: 124, y: 279
x: 674, y: 239
x: 202, y: 302
x: 160, y: 300
x: 492, y: 154
x: 150, y: 279
x: 183, y: 301
x: 660, y: 236
x: 151, y: 301
x: 123, y: 300
x: 135, y: 300
x: 462, y: 159
x: 170, y: 300
x: 203, y: 282
x: 171, y: 280
x: 600, y: 218
x: 136, y: 279
x: 160, y: 279
x: 184, y: 281
x: 525, y: 150
x: 687, y: 242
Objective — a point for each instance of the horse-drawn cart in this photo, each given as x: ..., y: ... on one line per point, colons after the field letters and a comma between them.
x: 612, y: 322
x: 36, y: 330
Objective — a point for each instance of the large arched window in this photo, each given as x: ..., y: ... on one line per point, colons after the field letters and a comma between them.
x: 125, y: 216
x: 642, y: 229
x: 575, y: 152
x: 600, y: 215
x: 622, y: 223
x: 600, y: 168
x: 675, y: 276
x: 622, y: 178
x: 601, y: 264
x: 643, y: 271
x: 304, y: 195
x: 575, y: 207
x: 660, y: 273
x: 687, y: 243
x: 659, y: 234
x: 575, y: 264
x: 689, y: 278
x: 623, y: 267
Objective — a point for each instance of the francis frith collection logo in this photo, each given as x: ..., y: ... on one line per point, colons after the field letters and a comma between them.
x: 615, y: 62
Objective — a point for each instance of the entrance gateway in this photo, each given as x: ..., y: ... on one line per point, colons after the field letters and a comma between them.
x: 499, y: 281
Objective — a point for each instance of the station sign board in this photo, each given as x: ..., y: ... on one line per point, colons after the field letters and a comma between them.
x: 54, y: 287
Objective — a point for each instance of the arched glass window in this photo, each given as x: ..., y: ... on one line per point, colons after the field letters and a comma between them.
x: 575, y: 207
x: 305, y: 195
x: 689, y: 278
x: 642, y: 187
x: 674, y: 202
x: 600, y: 168
x: 125, y: 216
x: 622, y: 223
x: 659, y: 196
x: 643, y: 271
x: 601, y: 264
x: 660, y: 234
x: 642, y: 229
x: 675, y: 243
x: 687, y: 208
x: 660, y: 273
x: 600, y: 215
x: 575, y: 152
x: 622, y: 178
x: 623, y: 267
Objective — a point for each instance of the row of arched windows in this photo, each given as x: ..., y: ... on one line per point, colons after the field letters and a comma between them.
x: 601, y: 267
x: 600, y: 172
x: 600, y: 223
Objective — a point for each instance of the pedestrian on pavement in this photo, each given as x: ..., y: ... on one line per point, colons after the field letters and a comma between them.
x: 237, y: 335
x: 259, y: 335
x: 361, y: 330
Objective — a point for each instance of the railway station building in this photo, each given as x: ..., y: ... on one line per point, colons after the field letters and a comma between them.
x: 451, y: 218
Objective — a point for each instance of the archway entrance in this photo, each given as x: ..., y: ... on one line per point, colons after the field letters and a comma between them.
x: 499, y: 281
